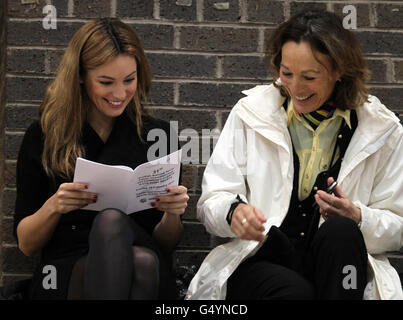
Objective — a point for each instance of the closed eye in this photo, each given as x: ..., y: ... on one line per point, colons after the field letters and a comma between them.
x: 287, y: 74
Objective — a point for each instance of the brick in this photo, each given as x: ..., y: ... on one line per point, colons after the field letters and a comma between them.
x: 362, y: 13
x: 213, y: 13
x: 155, y: 36
x: 194, y: 235
x: 61, y: 7
x: 189, y: 258
x: 10, y: 174
x: 191, y: 213
x: 7, y: 230
x: 244, y: 67
x: 389, y: 15
x: 188, y: 176
x: 199, y: 180
x: 32, y: 33
x: 14, y: 261
x: 265, y: 11
x: 26, y: 89
x: 9, y: 197
x: 16, y: 9
x: 224, y: 117
x: 25, y: 61
x: 12, y: 146
x: 54, y: 57
x: 297, y: 7
x: 20, y: 117
x: 162, y: 93
x: 217, y: 241
x: 378, y: 69
x: 211, y: 94
x: 182, y: 65
x: 188, y: 119
x: 398, y: 68
x: 91, y: 8
x: 381, y: 42
x: 390, y: 97
x: 134, y: 9
x: 214, y: 39
x: 172, y: 10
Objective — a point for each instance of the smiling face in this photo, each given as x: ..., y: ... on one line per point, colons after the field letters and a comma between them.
x: 308, y: 78
x: 111, y: 87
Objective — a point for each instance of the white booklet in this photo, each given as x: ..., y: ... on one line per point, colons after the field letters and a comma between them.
x: 126, y: 189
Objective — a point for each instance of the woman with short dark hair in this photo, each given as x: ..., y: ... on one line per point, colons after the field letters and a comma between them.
x: 306, y: 178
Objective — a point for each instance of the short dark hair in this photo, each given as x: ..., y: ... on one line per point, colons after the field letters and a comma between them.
x: 325, y: 33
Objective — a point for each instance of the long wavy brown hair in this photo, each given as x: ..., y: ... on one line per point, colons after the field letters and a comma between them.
x: 64, y: 108
x: 325, y: 33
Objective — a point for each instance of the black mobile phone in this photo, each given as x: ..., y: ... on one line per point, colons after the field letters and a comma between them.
x: 328, y: 190
x: 331, y: 187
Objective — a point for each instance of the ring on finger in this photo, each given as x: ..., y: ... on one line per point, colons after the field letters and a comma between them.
x: 244, y: 220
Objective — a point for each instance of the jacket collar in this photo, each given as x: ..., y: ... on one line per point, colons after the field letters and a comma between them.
x: 262, y: 111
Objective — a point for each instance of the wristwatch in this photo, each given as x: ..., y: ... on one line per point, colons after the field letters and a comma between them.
x: 232, y: 209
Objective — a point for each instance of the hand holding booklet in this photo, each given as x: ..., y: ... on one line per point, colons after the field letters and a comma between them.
x: 126, y: 189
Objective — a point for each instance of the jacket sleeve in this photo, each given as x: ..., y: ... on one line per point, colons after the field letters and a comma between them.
x: 224, y: 177
x: 382, y: 218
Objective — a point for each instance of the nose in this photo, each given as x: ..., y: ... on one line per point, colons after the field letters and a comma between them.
x: 296, y: 86
x: 119, y: 93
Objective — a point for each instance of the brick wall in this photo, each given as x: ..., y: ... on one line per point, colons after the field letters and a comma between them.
x: 202, y: 53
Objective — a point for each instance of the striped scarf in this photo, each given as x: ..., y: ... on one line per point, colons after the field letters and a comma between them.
x: 326, y: 111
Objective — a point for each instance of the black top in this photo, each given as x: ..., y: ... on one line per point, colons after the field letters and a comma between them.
x: 69, y: 240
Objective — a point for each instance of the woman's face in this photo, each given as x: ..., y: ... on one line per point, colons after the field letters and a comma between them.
x: 111, y: 86
x: 308, y: 79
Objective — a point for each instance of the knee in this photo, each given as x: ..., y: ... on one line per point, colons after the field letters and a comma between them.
x: 109, y: 224
x: 339, y: 227
x: 341, y: 232
x: 145, y: 259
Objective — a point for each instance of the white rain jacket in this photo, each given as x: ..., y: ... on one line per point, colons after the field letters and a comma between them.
x: 253, y: 158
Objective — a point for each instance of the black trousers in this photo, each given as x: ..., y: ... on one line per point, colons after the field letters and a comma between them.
x: 332, y: 267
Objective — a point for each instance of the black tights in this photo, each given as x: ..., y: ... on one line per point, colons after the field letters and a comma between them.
x: 115, y: 268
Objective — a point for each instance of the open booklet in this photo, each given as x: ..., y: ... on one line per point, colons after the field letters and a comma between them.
x: 126, y: 189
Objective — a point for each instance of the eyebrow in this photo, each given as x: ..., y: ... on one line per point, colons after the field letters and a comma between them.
x: 111, y: 78
x: 305, y: 71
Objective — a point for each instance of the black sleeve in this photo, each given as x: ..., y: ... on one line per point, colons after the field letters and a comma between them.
x: 32, y: 181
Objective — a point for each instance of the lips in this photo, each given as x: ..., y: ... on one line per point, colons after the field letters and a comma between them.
x: 114, y: 104
x: 303, y: 98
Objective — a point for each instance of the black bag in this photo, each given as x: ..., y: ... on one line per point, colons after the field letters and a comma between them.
x: 15, y: 291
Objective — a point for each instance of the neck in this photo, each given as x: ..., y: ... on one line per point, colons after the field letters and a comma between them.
x: 101, y: 124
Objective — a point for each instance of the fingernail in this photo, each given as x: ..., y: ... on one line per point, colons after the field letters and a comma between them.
x: 153, y: 204
x: 158, y: 199
x: 85, y: 186
x: 168, y: 190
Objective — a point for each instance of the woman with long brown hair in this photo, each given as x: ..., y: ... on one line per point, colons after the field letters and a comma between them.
x: 94, y: 109
x: 271, y: 181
